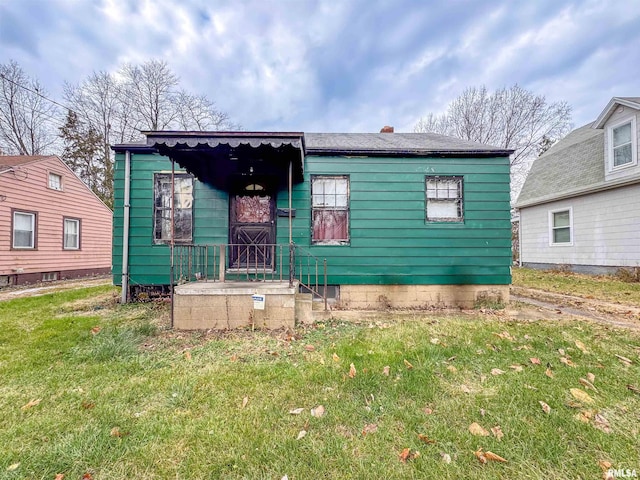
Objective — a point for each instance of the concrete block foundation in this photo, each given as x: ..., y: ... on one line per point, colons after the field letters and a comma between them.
x: 229, y: 305
x: 372, y: 297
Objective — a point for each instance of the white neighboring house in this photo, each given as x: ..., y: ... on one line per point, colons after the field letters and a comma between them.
x: 580, y: 204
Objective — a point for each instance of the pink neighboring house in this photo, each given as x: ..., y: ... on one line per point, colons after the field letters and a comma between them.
x: 52, y: 226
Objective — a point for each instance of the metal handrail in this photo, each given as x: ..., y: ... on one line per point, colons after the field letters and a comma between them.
x: 266, y: 263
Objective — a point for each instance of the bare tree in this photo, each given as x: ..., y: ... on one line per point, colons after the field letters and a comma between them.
x: 26, y: 115
x: 512, y: 118
x: 118, y: 106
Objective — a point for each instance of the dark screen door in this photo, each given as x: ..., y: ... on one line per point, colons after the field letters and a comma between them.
x: 252, y: 231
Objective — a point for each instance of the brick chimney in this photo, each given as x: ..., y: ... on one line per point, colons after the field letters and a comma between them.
x: 386, y: 129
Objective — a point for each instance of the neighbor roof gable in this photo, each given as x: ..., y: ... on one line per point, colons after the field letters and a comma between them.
x: 632, y: 102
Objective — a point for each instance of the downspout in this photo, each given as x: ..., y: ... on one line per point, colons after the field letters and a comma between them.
x: 172, y: 244
x: 125, y: 235
x: 291, y: 254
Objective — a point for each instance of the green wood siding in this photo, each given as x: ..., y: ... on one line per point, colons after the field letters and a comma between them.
x: 391, y: 242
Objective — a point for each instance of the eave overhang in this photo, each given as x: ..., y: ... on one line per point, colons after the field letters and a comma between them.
x: 609, y: 109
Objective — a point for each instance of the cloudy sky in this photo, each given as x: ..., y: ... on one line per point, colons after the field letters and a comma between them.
x: 338, y: 65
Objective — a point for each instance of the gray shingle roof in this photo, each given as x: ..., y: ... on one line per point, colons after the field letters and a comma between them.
x: 416, y: 143
x: 574, y: 164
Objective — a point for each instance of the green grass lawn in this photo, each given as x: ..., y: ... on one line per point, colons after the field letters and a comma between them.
x: 602, y: 287
x: 132, y: 400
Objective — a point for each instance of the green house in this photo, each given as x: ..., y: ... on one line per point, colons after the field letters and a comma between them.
x: 365, y: 220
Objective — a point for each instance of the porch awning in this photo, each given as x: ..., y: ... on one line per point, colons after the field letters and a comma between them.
x: 225, y: 158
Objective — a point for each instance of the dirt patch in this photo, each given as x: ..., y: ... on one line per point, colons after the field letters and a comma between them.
x: 532, y: 302
x: 38, y: 289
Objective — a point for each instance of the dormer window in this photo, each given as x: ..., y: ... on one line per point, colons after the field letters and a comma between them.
x: 623, y: 144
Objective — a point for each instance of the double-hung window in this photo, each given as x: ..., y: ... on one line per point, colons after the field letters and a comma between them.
x: 444, y: 199
x: 182, y: 226
x: 24, y: 230
x: 330, y: 209
x: 622, y: 144
x: 71, y: 238
x: 560, y: 227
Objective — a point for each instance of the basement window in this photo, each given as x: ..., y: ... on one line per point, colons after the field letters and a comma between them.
x: 444, y: 199
x: 330, y: 210
x: 182, y: 225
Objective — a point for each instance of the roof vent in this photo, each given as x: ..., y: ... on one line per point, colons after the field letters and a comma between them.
x: 386, y: 129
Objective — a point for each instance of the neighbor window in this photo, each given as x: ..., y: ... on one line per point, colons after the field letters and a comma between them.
x: 560, y: 223
x: 622, y: 144
x: 71, y: 237
x: 24, y: 230
x: 55, y: 181
x: 182, y: 213
x: 444, y: 199
x: 330, y: 209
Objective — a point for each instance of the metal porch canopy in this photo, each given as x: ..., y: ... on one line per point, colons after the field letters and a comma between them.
x: 223, y: 158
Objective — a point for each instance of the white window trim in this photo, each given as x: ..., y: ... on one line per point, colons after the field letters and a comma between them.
x: 49, y: 182
x: 64, y: 234
x: 33, y: 231
x: 634, y: 144
x: 563, y: 244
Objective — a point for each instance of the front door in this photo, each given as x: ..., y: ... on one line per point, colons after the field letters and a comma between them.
x: 252, y: 229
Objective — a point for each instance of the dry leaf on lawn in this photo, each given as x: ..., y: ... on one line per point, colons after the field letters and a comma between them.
x: 317, y: 411
x: 476, y: 429
x: 581, y: 395
x: 446, y: 458
x: 535, y: 361
x: 634, y: 389
x: 245, y: 400
x: 426, y: 439
x: 497, y: 371
x: 408, y: 364
x: 13, y: 466
x: 352, y: 371
x: 604, y: 465
x: 385, y: 370
x: 452, y: 369
x: 301, y: 434
x: 601, y: 423
x: 497, y: 432
x: 59, y: 476
x: 548, y: 372
x: 624, y: 360
x: 427, y: 410
x: 310, y: 348
x: 87, y: 476
x: 465, y: 389
x: 233, y: 357
x: 115, y: 432
x: 407, y: 454
x: 435, y: 341
x: 591, y: 377
x: 506, y: 335
x: 484, y: 457
x: 32, y: 403
x: 335, y: 357
x: 545, y: 407
x: 581, y: 346
x: 517, y: 368
x: 567, y: 362
x: 588, y: 384
x: 370, y: 428
x: 187, y: 355
x: 561, y: 351
x: 584, y: 416
x: 296, y: 411
x: 95, y: 330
